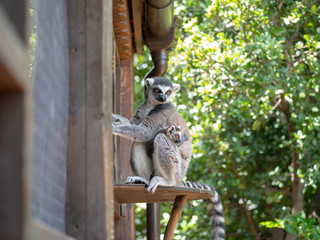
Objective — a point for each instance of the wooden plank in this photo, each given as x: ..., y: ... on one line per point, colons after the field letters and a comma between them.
x: 137, y: 193
x: 107, y: 106
x: 40, y: 231
x: 125, y: 227
x: 117, y: 210
x: 126, y: 110
x: 177, y: 209
x: 90, y: 195
x: 13, y: 57
x: 15, y: 123
x: 137, y: 10
x: 76, y: 163
x: 11, y: 155
x: 99, y: 106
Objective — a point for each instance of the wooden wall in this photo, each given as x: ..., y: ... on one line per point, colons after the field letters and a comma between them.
x: 90, y: 172
x: 123, y: 100
x: 50, y: 115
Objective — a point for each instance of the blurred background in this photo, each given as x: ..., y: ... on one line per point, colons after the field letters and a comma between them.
x: 250, y: 78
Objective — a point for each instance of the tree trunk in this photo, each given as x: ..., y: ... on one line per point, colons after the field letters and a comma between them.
x: 297, y: 185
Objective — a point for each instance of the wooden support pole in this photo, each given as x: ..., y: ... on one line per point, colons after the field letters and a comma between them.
x: 178, y: 205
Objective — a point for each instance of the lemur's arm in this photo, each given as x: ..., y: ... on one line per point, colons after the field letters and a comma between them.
x: 136, y: 133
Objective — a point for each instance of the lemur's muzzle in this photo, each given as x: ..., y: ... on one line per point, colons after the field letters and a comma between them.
x: 161, y: 98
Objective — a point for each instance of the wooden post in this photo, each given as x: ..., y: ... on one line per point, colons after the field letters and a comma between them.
x: 179, y: 203
x: 125, y: 226
x: 89, y: 209
x: 15, y: 115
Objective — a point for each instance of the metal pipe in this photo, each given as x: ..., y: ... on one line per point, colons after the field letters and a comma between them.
x: 153, y: 221
x: 159, y: 17
x: 159, y: 33
x: 160, y: 61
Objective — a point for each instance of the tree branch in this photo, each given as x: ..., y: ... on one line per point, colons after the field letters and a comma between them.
x: 250, y: 220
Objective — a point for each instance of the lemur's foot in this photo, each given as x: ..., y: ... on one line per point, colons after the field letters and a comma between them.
x: 136, y: 180
x: 153, y: 185
x: 174, y: 133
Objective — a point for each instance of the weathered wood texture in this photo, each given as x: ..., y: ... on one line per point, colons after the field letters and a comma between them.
x: 89, y: 179
x: 177, y: 209
x: 14, y: 123
x: 122, y: 28
x: 125, y: 227
x: 137, y: 14
x: 76, y: 164
x: 137, y: 193
x: 125, y: 109
x: 40, y: 231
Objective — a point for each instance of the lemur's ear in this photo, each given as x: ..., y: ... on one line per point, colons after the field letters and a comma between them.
x: 149, y: 82
x: 176, y: 87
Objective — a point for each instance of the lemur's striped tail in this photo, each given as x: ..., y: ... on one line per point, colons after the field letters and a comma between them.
x: 215, y: 208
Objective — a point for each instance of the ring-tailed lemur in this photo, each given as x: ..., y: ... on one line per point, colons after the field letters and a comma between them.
x: 168, y: 161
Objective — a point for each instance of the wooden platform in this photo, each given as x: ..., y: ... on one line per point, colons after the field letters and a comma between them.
x: 137, y: 193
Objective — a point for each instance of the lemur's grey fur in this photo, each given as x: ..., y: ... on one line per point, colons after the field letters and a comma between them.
x: 156, y: 158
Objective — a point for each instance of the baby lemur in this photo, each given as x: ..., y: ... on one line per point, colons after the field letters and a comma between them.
x: 173, y: 133
x: 162, y: 146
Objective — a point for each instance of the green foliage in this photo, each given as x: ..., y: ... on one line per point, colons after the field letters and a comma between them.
x: 249, y: 72
x: 300, y: 226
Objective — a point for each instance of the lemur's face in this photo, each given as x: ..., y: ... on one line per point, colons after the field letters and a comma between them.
x: 162, y: 94
x: 174, y: 133
x: 160, y: 90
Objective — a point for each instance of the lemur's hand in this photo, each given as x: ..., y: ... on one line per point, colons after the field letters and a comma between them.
x: 118, y: 120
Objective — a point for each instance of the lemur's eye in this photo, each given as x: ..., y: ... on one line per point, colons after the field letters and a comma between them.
x: 168, y: 92
x: 156, y: 90
x: 177, y: 136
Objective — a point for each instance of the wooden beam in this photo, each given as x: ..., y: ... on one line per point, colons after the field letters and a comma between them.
x: 125, y: 227
x: 137, y: 10
x: 13, y: 57
x: 40, y: 231
x: 177, y: 209
x: 137, y: 193
x: 90, y: 173
x: 76, y: 163
x: 15, y: 123
x: 98, y: 115
x: 122, y: 28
